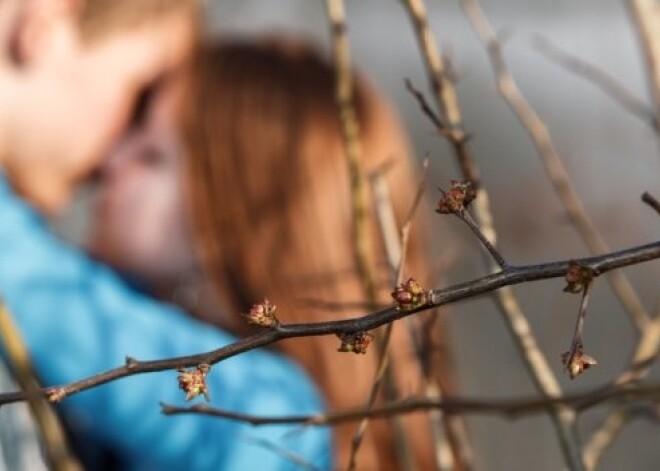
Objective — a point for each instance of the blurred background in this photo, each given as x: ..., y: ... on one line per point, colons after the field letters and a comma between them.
x: 612, y: 156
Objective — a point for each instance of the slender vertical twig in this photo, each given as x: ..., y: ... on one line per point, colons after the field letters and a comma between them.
x: 56, y: 450
x: 396, y: 245
x: 363, y: 250
x: 646, y: 15
x: 651, y: 201
x: 535, y: 361
x: 443, y: 89
x: 551, y: 160
x: 351, y: 133
x: 492, y: 250
x: 604, y: 437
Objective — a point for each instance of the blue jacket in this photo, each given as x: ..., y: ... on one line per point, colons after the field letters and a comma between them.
x: 78, y: 318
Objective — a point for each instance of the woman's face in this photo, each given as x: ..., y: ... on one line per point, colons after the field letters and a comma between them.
x: 140, y: 223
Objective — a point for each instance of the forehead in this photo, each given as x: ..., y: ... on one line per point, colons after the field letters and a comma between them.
x: 161, y: 44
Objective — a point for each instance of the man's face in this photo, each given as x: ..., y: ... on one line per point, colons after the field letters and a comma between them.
x: 80, y: 96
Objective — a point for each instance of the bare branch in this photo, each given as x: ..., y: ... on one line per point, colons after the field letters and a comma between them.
x: 575, y: 360
x: 551, y: 160
x: 510, y: 408
x: 56, y: 449
x: 426, y: 108
x: 467, y: 219
x: 505, y: 299
x: 395, y: 244
x: 351, y: 133
x: 646, y: 16
x: 604, y: 437
x: 651, y: 201
x: 443, y: 90
x: 507, y: 303
x: 407, y: 224
x: 513, y: 275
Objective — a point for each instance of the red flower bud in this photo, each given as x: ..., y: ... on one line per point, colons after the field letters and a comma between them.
x: 193, y: 382
x: 356, y: 343
x: 262, y: 315
x: 409, y: 295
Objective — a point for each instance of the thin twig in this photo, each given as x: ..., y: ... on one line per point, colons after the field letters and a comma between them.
x: 651, y: 201
x: 597, y: 76
x: 645, y: 355
x: 444, y: 460
x: 507, y: 303
x: 300, y: 462
x: 56, y: 450
x: 467, y: 219
x: 425, y: 107
x: 513, y: 275
x: 508, y: 408
x: 351, y: 133
x: 350, y: 130
x: 386, y: 222
x: 395, y: 248
x: 576, y: 342
x: 551, y: 160
x: 604, y: 437
x: 443, y: 91
x: 382, y: 375
x: 646, y: 16
x: 407, y: 224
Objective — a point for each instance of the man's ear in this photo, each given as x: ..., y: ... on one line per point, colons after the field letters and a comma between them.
x: 35, y: 27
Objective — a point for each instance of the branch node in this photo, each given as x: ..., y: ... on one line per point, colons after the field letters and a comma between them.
x: 651, y: 201
x: 193, y: 382
x: 357, y: 342
x: 56, y: 395
x: 578, y: 277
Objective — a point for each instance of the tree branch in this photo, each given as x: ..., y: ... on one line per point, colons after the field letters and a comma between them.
x: 510, y: 408
x: 513, y: 275
x: 551, y: 160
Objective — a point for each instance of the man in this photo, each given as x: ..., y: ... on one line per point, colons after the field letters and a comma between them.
x: 70, y: 72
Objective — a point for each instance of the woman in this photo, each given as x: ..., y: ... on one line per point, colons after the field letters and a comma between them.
x: 267, y: 178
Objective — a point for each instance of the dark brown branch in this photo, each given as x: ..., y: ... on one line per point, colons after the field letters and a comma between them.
x: 443, y: 90
x: 512, y: 275
x: 575, y: 360
x: 467, y: 219
x: 651, y: 201
x: 510, y: 408
x: 426, y: 108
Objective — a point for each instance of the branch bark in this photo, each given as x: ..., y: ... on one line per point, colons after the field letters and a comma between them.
x: 513, y: 275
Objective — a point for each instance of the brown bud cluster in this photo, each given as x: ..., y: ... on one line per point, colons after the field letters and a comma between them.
x: 457, y: 199
x: 409, y: 295
x: 356, y: 343
x: 262, y: 315
x: 56, y: 395
x: 193, y: 382
x: 578, y: 364
x: 577, y: 278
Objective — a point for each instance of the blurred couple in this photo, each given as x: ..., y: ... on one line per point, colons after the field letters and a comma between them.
x: 220, y: 179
